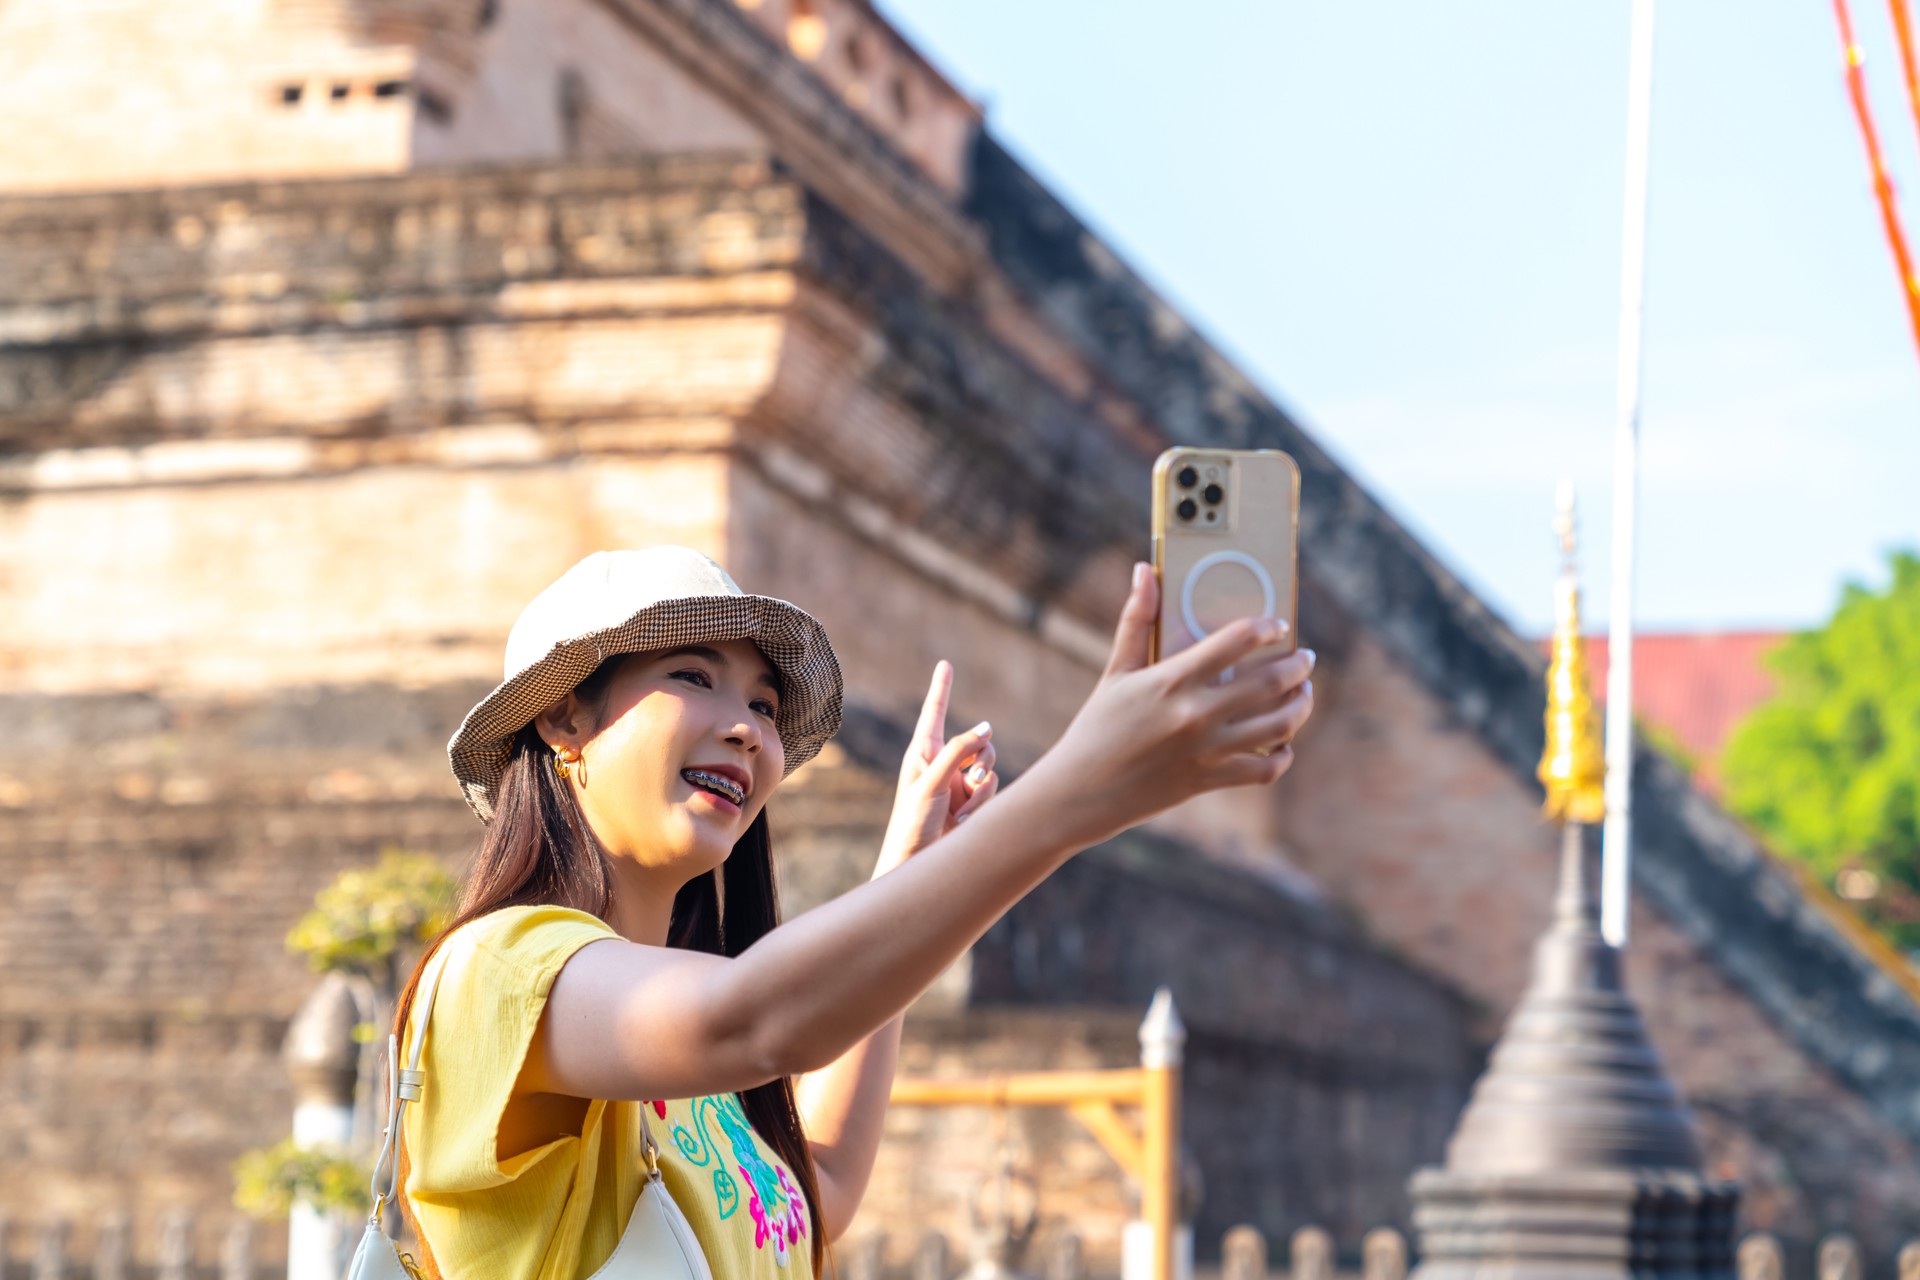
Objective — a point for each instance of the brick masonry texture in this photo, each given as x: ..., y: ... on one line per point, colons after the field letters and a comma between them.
x: 168, y: 846
x: 1305, y: 1041
x: 280, y: 461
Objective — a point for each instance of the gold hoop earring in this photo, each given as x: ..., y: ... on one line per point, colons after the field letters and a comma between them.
x: 561, y: 765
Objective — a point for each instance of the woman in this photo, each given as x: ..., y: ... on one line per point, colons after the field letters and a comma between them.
x: 614, y: 973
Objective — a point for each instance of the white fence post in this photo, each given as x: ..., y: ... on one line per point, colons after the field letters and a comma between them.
x: 50, y: 1256
x: 1310, y: 1254
x: 113, y: 1248
x: 1243, y: 1254
x: 324, y: 1061
x: 176, y: 1246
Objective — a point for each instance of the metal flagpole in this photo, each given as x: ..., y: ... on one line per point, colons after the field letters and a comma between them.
x: 1618, y: 841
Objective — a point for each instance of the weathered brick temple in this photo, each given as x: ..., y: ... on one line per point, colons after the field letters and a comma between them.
x: 331, y: 330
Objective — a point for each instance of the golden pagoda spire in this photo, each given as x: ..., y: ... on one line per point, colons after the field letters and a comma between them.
x: 1573, y: 770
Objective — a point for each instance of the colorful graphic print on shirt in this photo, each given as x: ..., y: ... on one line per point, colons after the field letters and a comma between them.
x: 778, y: 1209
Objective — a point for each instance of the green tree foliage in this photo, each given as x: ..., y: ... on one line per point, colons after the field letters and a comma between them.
x: 268, y: 1181
x: 357, y: 926
x: 1829, y: 769
x: 360, y: 920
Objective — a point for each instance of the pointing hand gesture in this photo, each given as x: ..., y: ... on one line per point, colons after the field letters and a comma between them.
x: 941, y: 781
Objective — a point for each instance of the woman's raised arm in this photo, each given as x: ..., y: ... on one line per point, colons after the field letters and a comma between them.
x: 631, y: 1021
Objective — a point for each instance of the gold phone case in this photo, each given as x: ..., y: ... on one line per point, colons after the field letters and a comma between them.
x: 1226, y: 531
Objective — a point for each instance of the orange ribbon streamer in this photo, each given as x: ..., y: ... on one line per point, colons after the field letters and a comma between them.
x: 1903, y: 27
x: 1882, y: 184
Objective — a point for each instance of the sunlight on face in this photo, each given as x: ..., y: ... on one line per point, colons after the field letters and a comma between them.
x: 686, y: 755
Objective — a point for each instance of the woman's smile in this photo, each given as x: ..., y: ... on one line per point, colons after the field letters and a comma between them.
x: 713, y: 791
x: 723, y: 780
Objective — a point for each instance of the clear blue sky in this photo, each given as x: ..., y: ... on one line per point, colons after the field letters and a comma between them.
x: 1403, y: 218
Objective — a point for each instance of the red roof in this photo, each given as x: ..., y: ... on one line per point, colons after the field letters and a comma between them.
x: 1694, y: 684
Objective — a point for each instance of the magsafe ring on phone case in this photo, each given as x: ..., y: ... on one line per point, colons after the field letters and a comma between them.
x: 1270, y: 598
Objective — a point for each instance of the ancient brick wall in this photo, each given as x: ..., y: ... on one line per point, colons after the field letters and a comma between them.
x: 568, y: 79
x: 890, y: 84
x: 113, y: 94
x: 205, y: 481
x: 283, y: 462
x: 127, y: 93
x: 1318, y: 1069
x: 254, y: 575
x: 156, y: 849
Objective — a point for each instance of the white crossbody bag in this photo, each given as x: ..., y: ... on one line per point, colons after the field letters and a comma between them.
x: 658, y: 1243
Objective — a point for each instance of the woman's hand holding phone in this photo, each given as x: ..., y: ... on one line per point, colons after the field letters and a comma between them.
x: 1153, y: 735
x: 1148, y: 737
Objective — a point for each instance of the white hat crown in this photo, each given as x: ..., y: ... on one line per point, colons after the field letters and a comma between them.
x: 603, y: 591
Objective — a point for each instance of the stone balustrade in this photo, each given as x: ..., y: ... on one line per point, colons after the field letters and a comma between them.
x: 178, y: 1246
x: 1313, y: 1253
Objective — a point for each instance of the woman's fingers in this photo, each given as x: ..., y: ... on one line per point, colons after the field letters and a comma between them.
x: 944, y: 768
x: 929, y: 735
x: 983, y: 791
x: 1273, y: 728
x: 1261, y: 685
x: 1133, y: 634
x: 982, y: 765
x: 978, y: 770
x: 1251, y: 770
x: 1225, y: 650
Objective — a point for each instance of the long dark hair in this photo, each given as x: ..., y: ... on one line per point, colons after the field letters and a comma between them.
x: 538, y: 851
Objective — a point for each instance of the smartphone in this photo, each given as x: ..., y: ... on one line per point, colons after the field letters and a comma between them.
x: 1226, y: 532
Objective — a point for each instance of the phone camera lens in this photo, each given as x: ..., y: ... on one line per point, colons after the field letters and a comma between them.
x: 1188, y: 477
x: 1188, y: 509
x: 1213, y: 493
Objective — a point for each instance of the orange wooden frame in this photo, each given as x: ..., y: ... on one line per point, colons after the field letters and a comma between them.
x: 1149, y: 1154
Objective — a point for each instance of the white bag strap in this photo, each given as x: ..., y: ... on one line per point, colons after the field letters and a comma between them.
x: 404, y: 1085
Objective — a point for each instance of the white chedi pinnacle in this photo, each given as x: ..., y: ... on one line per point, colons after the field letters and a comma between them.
x: 1163, y: 1037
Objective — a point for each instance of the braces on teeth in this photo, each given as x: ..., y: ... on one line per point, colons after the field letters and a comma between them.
x: 714, y: 782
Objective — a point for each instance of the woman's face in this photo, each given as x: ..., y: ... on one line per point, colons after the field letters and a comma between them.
x: 685, y: 756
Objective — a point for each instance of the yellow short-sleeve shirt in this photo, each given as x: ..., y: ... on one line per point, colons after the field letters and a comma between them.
x: 557, y: 1211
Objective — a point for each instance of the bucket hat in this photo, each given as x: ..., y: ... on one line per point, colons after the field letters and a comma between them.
x: 616, y: 602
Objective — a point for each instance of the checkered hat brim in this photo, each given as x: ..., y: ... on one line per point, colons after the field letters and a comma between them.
x: 790, y: 638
